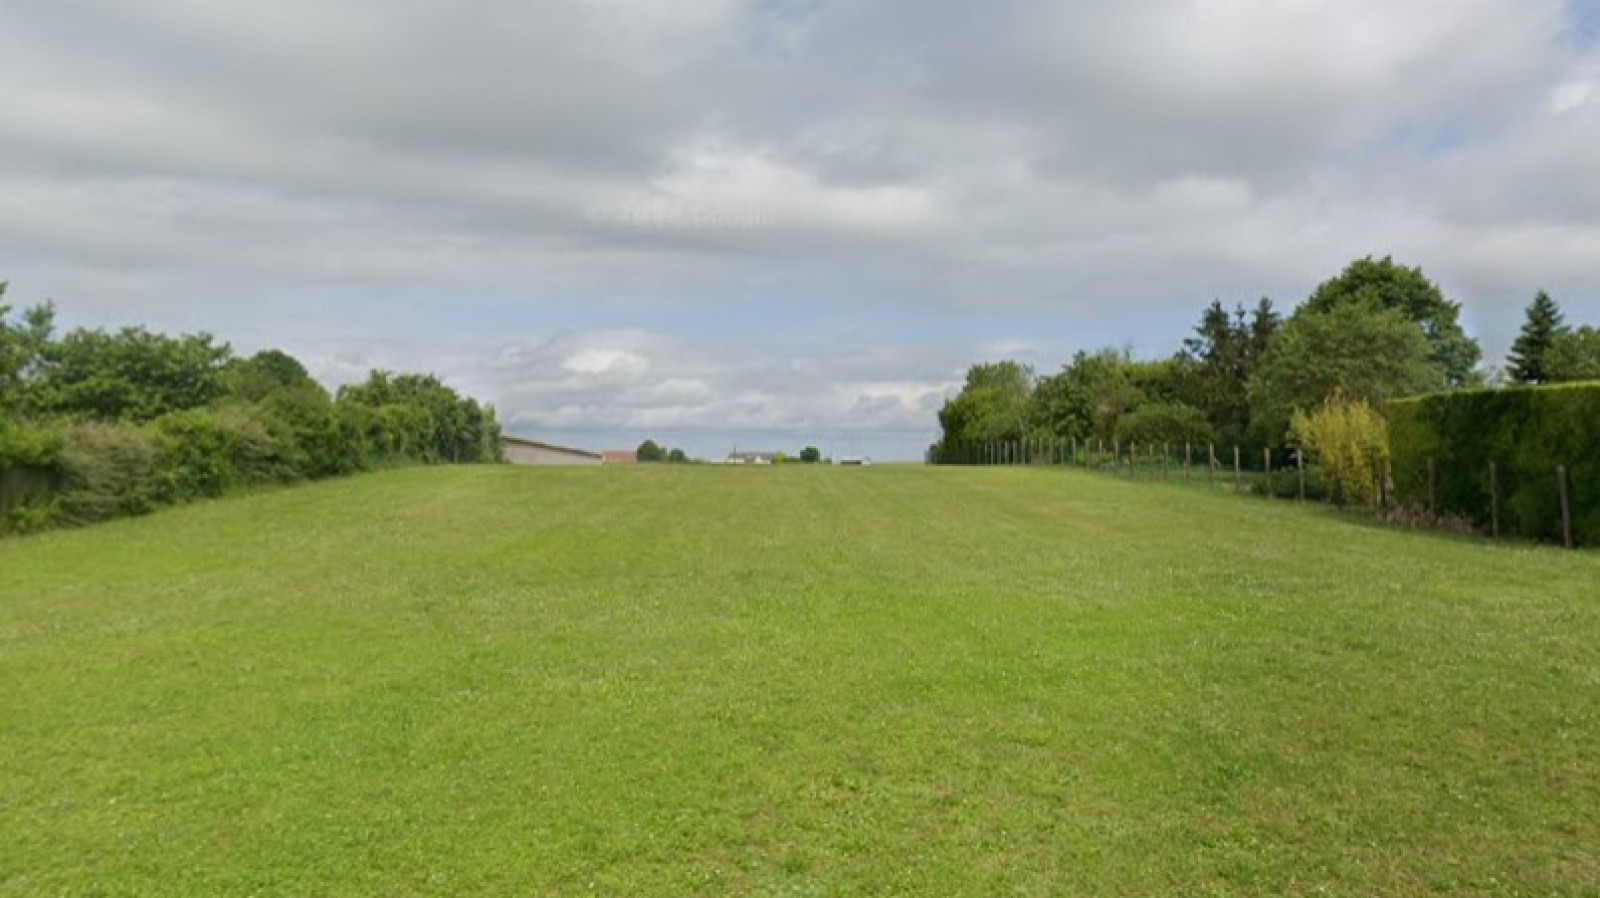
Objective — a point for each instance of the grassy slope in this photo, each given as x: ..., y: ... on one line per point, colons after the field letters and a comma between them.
x: 791, y: 682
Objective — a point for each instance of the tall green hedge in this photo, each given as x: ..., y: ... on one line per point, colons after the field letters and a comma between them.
x: 1527, y: 432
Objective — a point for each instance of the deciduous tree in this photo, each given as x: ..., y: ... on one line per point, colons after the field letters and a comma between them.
x: 1359, y: 350
x: 1574, y: 355
x: 993, y: 405
x: 1386, y: 285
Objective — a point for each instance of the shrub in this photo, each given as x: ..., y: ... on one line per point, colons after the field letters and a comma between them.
x: 28, y: 475
x: 107, y: 471
x: 1155, y: 423
x: 195, y: 458
x: 1351, y: 440
x: 1527, y: 432
x: 264, y: 448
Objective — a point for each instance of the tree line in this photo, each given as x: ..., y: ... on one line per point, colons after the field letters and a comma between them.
x: 96, y: 424
x: 1376, y: 331
x: 651, y: 451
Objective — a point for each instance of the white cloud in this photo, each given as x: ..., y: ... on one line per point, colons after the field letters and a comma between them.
x: 607, y: 361
x: 622, y: 162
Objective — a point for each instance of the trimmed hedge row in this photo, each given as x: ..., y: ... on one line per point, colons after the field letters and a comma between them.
x: 1528, y: 432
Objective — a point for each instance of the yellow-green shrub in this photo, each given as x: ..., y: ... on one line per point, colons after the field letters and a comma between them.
x: 1351, y: 439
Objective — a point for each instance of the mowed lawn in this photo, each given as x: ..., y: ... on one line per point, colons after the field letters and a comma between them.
x: 795, y: 681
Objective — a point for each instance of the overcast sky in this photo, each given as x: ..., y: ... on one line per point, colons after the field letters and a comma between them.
x: 782, y: 222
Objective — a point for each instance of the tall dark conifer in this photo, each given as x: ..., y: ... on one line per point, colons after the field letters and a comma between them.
x: 1526, y: 364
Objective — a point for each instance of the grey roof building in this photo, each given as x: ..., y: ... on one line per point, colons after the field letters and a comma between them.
x: 532, y: 452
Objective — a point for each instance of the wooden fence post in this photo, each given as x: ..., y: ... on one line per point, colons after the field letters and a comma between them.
x: 1433, y: 488
x: 1238, y: 472
x: 1166, y: 461
x: 1300, y: 462
x: 1566, y: 508
x: 1188, y: 449
x: 1494, y: 499
x: 1211, y: 464
x: 1379, y: 481
x: 1266, y: 462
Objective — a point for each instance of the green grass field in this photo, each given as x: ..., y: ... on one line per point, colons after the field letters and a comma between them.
x: 796, y: 681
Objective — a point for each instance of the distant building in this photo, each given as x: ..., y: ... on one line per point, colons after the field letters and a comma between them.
x: 531, y: 452
x: 751, y: 458
x: 855, y: 460
x: 620, y: 456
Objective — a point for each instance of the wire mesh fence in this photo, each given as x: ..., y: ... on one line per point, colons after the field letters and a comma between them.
x: 1496, y: 502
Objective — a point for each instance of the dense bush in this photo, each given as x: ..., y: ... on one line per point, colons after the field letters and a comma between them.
x: 1527, y: 432
x: 122, y: 423
x: 29, y: 476
x: 108, y: 470
x: 1351, y: 442
x: 1165, y: 422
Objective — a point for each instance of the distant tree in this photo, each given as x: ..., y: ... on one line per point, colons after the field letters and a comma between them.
x: 1540, y: 329
x: 1574, y: 355
x: 1089, y: 395
x: 1358, y: 350
x: 132, y: 374
x: 811, y: 455
x: 267, y: 372
x: 677, y: 456
x: 1220, y: 359
x: 22, y: 344
x: 649, y: 451
x: 1386, y: 285
x: 1060, y: 404
x: 993, y: 405
x: 1163, y: 422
